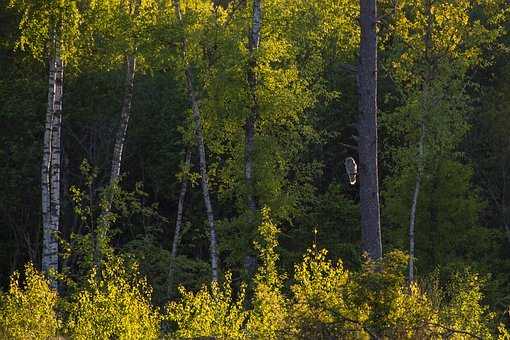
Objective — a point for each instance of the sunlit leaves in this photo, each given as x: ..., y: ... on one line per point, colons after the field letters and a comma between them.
x: 42, y: 21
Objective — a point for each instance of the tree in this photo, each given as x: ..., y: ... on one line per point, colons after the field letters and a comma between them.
x: 50, y: 30
x: 195, y: 108
x: 250, y: 124
x: 367, y: 131
x: 430, y: 59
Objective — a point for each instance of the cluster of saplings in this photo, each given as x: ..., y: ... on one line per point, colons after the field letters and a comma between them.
x: 320, y: 300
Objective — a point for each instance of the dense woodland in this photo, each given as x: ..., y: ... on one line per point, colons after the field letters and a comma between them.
x: 181, y: 169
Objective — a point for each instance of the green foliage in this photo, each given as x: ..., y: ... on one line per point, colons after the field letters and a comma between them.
x: 397, y: 310
x: 328, y: 300
x: 28, y: 309
x: 42, y: 21
x: 268, y: 315
x: 322, y: 303
x: 324, y: 300
x: 212, y: 311
x: 115, y: 303
x: 445, y: 69
x: 463, y: 305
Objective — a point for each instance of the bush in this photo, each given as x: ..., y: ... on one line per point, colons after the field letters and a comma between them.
x: 116, y: 303
x: 268, y: 317
x: 28, y: 310
x: 212, y: 311
x: 323, y: 304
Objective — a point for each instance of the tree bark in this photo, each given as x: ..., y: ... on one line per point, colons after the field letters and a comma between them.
x: 125, y: 112
x: 367, y: 129
x: 118, y: 149
x: 201, y: 152
x: 251, y: 120
x: 178, y: 224
x: 416, y: 193
x: 45, y: 171
x: 425, y: 105
x: 51, y: 165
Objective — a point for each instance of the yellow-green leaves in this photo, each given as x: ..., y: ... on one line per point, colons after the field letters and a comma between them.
x: 450, y: 29
x: 270, y: 306
x: 215, y: 310
x: 322, y: 298
x: 46, y: 26
x: 28, y: 309
x: 115, y: 303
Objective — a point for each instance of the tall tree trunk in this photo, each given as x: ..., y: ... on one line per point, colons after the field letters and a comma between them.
x: 201, y: 152
x: 424, y: 107
x: 125, y: 112
x: 45, y: 170
x: 118, y: 149
x: 178, y: 224
x: 251, y: 120
x: 416, y: 193
x: 51, y: 165
x: 367, y: 129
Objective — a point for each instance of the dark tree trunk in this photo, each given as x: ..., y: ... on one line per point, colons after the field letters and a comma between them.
x: 367, y: 129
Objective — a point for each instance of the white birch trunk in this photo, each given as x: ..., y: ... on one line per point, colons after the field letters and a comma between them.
x: 416, y: 193
x: 425, y: 105
x: 51, y: 168
x: 253, y: 45
x: 201, y: 153
x: 124, y: 119
x: 178, y: 224
x: 45, y: 171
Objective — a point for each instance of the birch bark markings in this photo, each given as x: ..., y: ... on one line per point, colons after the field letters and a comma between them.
x: 45, y: 171
x: 124, y: 119
x: 253, y: 45
x: 51, y: 165
x: 201, y: 151
x: 367, y: 130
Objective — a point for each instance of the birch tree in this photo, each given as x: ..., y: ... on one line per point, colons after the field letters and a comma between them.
x: 288, y: 81
x: 49, y: 30
x: 250, y: 124
x: 436, y: 44
x: 199, y: 134
x: 120, y: 32
x: 178, y: 221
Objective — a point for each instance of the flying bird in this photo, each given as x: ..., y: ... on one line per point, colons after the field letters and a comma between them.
x: 352, y: 169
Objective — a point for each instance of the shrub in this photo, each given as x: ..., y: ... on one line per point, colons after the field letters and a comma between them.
x: 212, y: 311
x: 27, y: 310
x: 322, y: 304
x: 116, y: 303
x: 268, y: 317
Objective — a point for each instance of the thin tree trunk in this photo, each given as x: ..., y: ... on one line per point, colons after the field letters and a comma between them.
x: 178, y: 224
x: 125, y: 112
x: 51, y: 167
x: 251, y: 120
x: 421, y: 144
x: 367, y: 129
x: 201, y: 153
x: 120, y: 139
x: 416, y: 193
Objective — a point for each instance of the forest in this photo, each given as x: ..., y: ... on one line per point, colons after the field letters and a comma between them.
x: 262, y: 169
